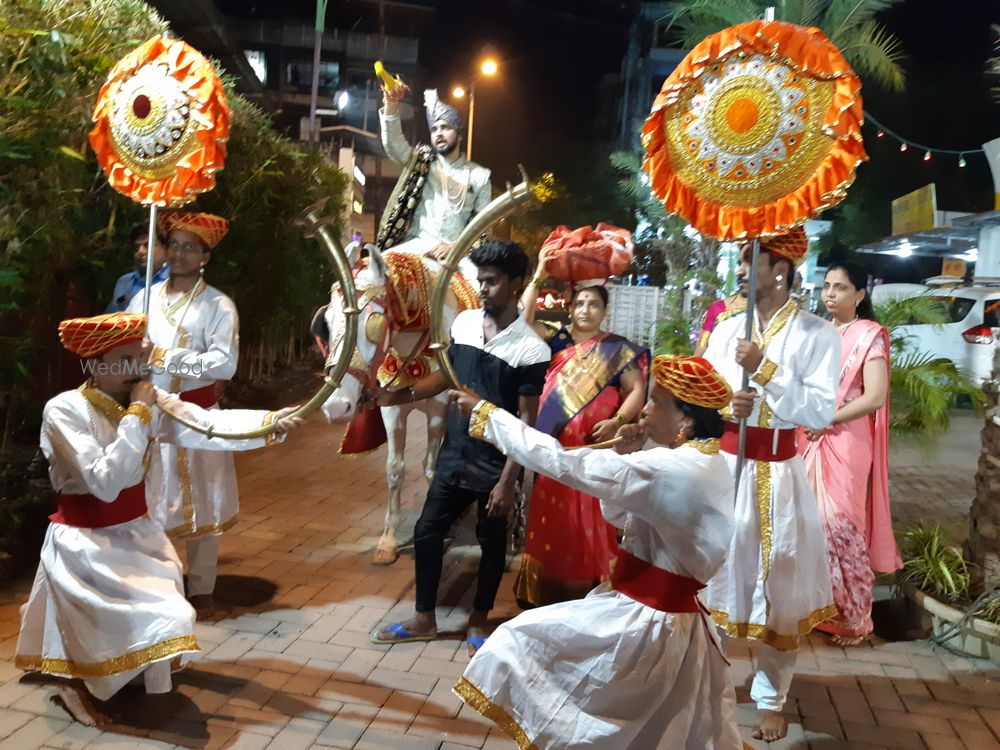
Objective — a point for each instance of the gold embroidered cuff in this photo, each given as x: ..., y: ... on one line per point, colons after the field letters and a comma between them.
x: 765, y: 372
x: 480, y: 417
x: 158, y: 357
x: 142, y: 411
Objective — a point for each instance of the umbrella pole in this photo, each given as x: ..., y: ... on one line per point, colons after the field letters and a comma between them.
x: 748, y: 335
x: 150, y: 244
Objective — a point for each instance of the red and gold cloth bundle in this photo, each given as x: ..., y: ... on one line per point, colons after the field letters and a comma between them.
x: 588, y: 252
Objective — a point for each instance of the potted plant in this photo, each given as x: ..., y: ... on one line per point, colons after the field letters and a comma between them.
x: 937, y: 578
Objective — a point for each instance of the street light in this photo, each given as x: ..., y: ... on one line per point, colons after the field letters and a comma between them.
x: 488, y: 68
x: 458, y: 92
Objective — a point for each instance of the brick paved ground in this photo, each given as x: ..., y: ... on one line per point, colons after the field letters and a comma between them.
x: 288, y: 663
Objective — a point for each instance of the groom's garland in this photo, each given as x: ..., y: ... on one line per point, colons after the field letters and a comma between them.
x: 405, y: 198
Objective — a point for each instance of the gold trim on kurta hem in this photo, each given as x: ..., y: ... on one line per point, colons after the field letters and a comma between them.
x: 124, y: 663
x: 189, y: 531
x: 497, y: 714
x: 779, y: 641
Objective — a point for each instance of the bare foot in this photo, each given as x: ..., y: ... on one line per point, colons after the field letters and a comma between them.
x: 771, y: 726
x: 79, y: 704
x: 847, y: 641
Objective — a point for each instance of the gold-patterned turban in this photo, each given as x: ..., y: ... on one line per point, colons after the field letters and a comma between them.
x: 792, y: 246
x: 209, y: 227
x: 92, y: 337
x: 693, y: 380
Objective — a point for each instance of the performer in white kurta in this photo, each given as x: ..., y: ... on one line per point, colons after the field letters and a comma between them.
x: 107, y: 603
x: 636, y: 665
x: 447, y: 189
x: 195, y: 331
x: 775, y: 585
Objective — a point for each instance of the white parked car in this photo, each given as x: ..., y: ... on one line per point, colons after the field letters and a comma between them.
x: 970, y: 336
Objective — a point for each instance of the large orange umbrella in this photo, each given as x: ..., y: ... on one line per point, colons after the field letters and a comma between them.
x: 160, y: 128
x: 757, y: 131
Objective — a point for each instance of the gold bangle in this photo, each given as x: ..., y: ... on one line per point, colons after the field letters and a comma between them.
x: 619, y: 419
x: 140, y: 410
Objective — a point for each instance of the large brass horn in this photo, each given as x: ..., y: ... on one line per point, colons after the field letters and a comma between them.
x: 499, y: 208
x: 321, y: 228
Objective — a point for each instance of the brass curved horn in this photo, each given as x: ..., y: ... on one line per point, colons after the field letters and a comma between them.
x: 321, y: 228
x: 499, y: 208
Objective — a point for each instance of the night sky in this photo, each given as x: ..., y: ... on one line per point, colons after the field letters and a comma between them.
x: 541, y: 109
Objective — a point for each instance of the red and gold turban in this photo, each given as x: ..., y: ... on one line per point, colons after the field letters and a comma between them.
x: 209, y: 227
x: 792, y: 246
x: 692, y: 379
x: 92, y: 337
x: 588, y: 253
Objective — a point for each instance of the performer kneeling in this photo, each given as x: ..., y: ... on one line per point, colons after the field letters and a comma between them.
x: 636, y: 665
x: 107, y: 604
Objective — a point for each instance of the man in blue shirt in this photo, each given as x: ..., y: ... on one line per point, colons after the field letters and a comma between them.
x: 131, y: 283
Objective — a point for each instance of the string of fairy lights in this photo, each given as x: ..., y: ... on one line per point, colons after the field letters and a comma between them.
x: 905, y: 144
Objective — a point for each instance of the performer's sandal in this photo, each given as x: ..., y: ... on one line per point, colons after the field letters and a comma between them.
x: 405, y: 636
x: 476, y: 641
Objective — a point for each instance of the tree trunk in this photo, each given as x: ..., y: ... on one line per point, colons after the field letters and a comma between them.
x: 983, y: 546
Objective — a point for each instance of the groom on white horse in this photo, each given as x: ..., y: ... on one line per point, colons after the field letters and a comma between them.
x: 436, y: 196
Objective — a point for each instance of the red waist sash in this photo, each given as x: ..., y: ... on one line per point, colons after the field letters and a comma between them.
x: 655, y: 587
x: 87, y: 512
x: 760, y: 441
x: 203, y: 397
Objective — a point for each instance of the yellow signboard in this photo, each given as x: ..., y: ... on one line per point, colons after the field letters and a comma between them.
x: 914, y: 212
x: 953, y: 267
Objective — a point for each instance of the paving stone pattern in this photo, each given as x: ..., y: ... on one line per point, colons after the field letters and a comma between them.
x: 287, y: 663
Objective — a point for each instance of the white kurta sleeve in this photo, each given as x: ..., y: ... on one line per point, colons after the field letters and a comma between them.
x: 219, y: 361
x: 805, y: 394
x: 624, y: 481
x: 169, y: 430
x: 106, y: 470
x: 397, y: 148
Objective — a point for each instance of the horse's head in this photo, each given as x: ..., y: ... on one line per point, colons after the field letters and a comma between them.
x: 373, y: 333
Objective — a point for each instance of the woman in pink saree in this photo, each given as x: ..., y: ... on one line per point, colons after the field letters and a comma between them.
x: 848, y: 461
x: 596, y: 382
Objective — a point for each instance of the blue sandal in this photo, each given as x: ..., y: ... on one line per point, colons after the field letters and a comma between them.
x: 476, y: 641
x: 405, y: 636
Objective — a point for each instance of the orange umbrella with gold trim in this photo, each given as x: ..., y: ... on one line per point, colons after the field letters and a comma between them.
x: 160, y: 127
x: 757, y: 131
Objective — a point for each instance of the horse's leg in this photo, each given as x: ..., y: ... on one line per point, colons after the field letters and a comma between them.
x: 395, y: 472
x: 436, y: 410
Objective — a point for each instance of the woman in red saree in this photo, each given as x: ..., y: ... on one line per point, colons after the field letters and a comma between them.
x: 848, y: 461
x: 596, y: 382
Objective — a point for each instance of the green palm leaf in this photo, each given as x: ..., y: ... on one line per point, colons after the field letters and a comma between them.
x: 874, y: 52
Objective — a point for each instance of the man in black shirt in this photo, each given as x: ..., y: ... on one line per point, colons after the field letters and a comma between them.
x: 496, y: 354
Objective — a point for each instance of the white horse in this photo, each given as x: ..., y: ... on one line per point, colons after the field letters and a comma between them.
x: 393, y: 295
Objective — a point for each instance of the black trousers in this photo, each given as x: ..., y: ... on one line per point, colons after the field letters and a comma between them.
x: 444, y: 504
